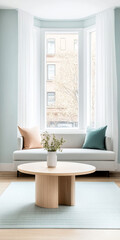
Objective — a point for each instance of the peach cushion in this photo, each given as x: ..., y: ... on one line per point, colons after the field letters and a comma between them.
x: 31, y: 137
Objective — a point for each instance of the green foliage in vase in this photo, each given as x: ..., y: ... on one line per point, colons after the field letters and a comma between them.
x: 51, y: 143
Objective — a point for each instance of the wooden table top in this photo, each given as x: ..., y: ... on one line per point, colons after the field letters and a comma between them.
x: 62, y: 169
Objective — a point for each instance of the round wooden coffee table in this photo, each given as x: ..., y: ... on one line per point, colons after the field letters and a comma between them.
x: 55, y: 186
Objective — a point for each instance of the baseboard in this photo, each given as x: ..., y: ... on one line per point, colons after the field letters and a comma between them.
x: 7, y: 167
x: 96, y: 174
x: 118, y: 167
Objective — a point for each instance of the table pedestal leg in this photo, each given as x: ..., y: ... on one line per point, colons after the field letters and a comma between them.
x: 52, y: 191
x: 66, y: 190
x: 46, y: 191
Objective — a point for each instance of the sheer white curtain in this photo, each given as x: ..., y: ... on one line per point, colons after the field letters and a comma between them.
x: 106, y: 78
x: 28, y: 72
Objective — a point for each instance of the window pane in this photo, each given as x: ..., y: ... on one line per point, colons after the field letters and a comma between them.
x: 50, y: 71
x: 51, y: 46
x: 92, y: 89
x: 63, y: 111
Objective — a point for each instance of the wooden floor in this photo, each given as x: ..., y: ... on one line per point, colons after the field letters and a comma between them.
x: 57, y: 234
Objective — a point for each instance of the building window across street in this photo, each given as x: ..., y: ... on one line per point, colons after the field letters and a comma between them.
x: 51, y: 46
x: 50, y: 98
x: 50, y: 71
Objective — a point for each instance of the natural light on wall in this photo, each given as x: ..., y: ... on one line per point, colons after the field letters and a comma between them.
x: 62, y: 101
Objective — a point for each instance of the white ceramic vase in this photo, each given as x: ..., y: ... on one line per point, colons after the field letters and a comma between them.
x: 52, y: 159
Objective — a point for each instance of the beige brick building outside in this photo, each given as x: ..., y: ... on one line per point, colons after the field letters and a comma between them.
x: 62, y: 80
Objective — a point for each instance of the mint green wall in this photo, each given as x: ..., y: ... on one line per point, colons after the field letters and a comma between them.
x: 42, y: 23
x: 9, y: 73
x: 117, y: 43
x: 8, y: 83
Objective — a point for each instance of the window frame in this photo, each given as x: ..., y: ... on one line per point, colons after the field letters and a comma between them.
x: 88, y: 31
x: 82, y: 79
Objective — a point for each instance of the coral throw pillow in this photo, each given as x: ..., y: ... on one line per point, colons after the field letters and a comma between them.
x: 31, y: 137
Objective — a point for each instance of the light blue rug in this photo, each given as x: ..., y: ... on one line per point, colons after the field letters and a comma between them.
x: 97, y: 206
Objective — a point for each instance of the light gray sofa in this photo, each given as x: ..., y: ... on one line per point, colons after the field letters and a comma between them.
x: 103, y: 160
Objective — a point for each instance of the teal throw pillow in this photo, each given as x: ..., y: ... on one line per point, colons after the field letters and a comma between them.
x: 95, y: 138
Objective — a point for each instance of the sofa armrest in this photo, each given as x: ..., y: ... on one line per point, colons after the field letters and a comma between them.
x: 108, y: 143
x: 20, y: 143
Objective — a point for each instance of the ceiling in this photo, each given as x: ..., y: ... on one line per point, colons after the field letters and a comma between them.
x: 60, y: 9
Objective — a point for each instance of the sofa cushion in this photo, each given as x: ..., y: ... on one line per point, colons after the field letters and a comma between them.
x: 72, y: 141
x: 68, y: 154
